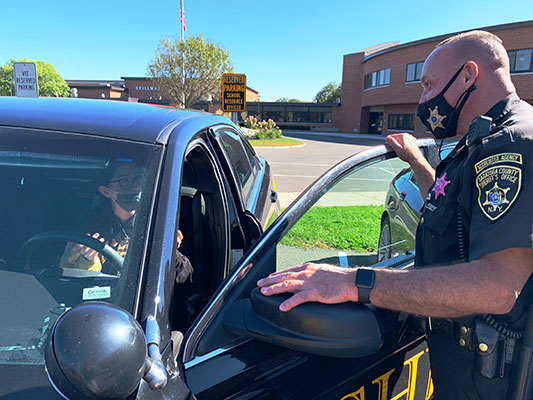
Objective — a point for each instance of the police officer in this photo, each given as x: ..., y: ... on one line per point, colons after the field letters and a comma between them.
x: 475, y: 238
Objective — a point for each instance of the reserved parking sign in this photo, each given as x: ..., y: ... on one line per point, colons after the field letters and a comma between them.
x: 233, y: 92
x: 25, y: 79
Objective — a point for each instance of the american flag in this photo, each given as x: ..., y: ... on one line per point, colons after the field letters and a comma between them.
x: 182, y: 16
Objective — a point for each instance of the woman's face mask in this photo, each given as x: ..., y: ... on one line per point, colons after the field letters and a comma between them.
x: 128, y: 201
x: 439, y: 116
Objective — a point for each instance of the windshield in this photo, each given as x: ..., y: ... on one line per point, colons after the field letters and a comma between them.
x: 73, y: 222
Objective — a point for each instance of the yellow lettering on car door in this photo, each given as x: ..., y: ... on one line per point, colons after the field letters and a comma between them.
x: 357, y: 395
x: 383, y: 382
x: 412, y: 363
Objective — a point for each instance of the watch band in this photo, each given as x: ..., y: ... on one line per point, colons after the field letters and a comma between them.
x: 364, y: 280
x: 363, y: 294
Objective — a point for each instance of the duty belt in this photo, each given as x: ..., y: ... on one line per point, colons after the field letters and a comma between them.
x: 493, y: 349
x: 460, y: 332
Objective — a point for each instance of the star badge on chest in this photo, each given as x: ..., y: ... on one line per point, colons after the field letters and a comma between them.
x: 439, y: 186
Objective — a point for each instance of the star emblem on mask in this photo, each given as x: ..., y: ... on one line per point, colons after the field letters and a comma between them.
x: 439, y: 186
x: 435, y: 119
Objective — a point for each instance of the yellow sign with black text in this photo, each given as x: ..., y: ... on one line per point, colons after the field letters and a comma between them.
x: 233, y: 92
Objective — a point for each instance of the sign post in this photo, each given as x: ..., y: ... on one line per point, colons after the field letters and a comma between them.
x: 25, y: 79
x: 233, y: 93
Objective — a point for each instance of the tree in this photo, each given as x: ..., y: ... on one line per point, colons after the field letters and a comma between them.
x: 329, y: 93
x: 193, y: 68
x: 287, y: 100
x: 49, y: 81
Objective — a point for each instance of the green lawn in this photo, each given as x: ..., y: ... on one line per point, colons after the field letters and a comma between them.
x: 354, y: 228
x: 281, y: 142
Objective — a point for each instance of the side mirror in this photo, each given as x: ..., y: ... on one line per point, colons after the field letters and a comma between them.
x: 96, y: 351
x: 334, y: 330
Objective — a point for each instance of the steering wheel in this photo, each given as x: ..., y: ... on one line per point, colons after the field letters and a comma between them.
x: 32, y: 243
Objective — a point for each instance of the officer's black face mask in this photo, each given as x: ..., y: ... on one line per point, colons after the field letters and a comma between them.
x: 439, y: 116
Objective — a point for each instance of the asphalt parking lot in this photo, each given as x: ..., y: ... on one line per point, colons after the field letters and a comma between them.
x: 295, y: 168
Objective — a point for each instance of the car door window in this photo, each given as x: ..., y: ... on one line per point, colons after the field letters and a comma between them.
x: 355, y: 199
x: 317, y: 227
x: 346, y: 225
x: 243, y: 163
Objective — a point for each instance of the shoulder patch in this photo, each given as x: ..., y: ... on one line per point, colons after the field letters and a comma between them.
x: 498, y: 180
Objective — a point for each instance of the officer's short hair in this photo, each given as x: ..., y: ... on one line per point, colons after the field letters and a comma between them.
x: 481, y: 46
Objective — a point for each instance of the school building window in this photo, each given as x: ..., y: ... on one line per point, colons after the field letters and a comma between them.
x: 520, y: 60
x: 414, y: 71
x: 320, y: 114
x: 377, y: 78
x: 404, y: 122
x: 276, y: 113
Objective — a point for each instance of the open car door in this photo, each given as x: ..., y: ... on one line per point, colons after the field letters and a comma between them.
x: 243, y: 347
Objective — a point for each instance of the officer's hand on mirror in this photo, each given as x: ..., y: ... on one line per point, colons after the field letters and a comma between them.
x: 311, y: 282
x: 405, y: 146
x: 87, y: 252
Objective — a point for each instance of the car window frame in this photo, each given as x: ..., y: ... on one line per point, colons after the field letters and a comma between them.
x: 245, y: 194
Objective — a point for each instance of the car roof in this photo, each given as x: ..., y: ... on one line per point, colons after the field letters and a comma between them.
x: 110, y: 118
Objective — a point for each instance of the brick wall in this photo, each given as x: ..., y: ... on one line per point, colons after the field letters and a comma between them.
x: 142, y: 88
x: 251, y: 95
x: 100, y: 92
x: 348, y: 115
x: 402, y: 97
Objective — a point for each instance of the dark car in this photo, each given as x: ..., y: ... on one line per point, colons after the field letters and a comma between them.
x: 403, y: 206
x: 53, y: 154
x: 131, y: 330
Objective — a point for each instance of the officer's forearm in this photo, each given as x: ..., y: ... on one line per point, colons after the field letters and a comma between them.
x: 424, y: 174
x: 489, y: 285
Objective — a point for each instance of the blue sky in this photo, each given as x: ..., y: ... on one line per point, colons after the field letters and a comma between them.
x: 287, y: 48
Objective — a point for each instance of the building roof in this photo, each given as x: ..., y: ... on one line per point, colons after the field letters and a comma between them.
x: 376, y: 48
x: 93, y: 82
x: 90, y: 84
x: 133, y: 121
x: 440, y: 37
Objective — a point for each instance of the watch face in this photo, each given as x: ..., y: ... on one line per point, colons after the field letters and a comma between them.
x: 365, y: 278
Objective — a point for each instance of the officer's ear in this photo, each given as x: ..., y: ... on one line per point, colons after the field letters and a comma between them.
x: 470, y: 73
x: 105, y: 191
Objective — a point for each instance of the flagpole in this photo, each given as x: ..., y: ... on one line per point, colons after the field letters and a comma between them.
x: 182, y: 19
x: 183, y: 27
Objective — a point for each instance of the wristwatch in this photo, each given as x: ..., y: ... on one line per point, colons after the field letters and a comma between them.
x: 364, y: 280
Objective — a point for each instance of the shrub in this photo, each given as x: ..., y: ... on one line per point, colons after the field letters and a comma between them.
x: 251, y: 122
x: 263, y: 129
x: 269, y: 134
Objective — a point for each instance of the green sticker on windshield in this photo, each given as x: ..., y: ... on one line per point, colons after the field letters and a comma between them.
x: 96, y: 293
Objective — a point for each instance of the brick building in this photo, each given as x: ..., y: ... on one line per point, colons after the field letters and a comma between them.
x: 99, y: 89
x: 145, y: 90
x: 138, y: 89
x: 381, y: 84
